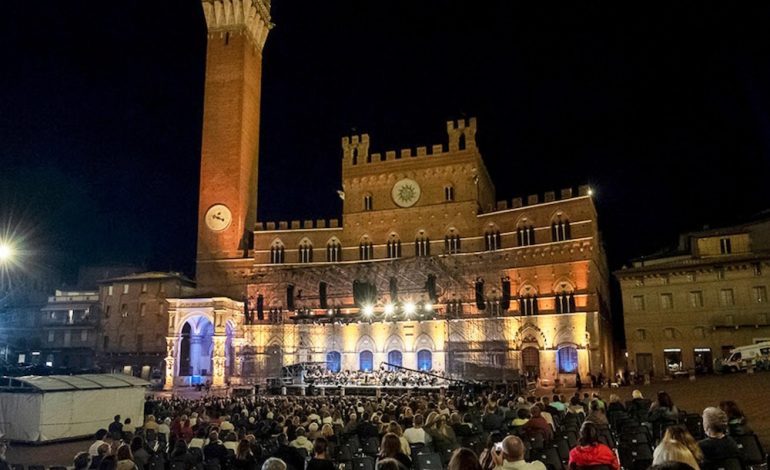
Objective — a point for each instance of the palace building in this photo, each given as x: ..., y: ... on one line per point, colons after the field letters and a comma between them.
x: 425, y: 269
x: 687, y: 307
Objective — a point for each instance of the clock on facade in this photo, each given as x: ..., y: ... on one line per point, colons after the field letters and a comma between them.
x: 218, y: 217
x: 406, y: 192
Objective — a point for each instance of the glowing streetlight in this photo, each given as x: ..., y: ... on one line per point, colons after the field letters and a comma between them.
x: 6, y: 252
x: 428, y: 307
x: 368, y: 310
x: 389, y: 309
x: 409, y: 308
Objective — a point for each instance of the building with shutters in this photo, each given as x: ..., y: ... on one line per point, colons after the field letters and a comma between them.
x: 425, y: 269
x: 687, y: 307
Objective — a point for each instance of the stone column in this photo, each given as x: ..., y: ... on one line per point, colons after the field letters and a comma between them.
x: 195, y: 354
x: 237, y: 360
x: 170, y: 353
x: 218, y: 359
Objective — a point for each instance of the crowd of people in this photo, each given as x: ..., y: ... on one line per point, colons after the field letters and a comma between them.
x: 468, y: 431
x: 319, y: 375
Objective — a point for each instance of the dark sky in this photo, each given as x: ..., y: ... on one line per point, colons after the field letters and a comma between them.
x: 664, y: 111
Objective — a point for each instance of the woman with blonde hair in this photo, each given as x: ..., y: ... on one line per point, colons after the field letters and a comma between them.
x: 681, y: 434
x: 670, y: 450
x: 395, y: 428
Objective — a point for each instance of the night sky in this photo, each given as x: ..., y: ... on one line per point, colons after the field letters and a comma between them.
x: 666, y: 113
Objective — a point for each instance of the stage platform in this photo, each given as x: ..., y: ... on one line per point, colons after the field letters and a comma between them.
x: 361, y: 390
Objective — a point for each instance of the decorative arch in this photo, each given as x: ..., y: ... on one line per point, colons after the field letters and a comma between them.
x: 527, y: 289
x: 424, y: 341
x: 563, y: 284
x: 530, y: 333
x: 394, y: 342
x: 560, y: 226
x: 565, y: 335
x: 366, y: 343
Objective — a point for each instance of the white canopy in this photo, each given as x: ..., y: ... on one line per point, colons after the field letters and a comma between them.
x: 44, y: 408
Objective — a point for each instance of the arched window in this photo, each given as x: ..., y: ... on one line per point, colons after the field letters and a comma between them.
x: 394, y: 246
x: 333, y: 361
x: 305, y: 252
x: 424, y: 360
x: 492, y: 239
x: 333, y: 251
x: 368, y: 202
x: 565, y: 299
x: 452, y: 242
x: 277, y: 252
x: 525, y: 233
x: 449, y: 193
x: 365, y: 249
x: 366, y: 361
x: 560, y: 229
x: 528, y: 304
x: 568, y: 360
x: 396, y: 359
x: 422, y: 246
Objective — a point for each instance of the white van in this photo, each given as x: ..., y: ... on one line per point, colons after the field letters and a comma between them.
x: 743, y: 356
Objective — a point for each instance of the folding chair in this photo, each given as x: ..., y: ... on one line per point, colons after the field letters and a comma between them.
x: 362, y: 463
x: 429, y: 461
x: 727, y: 464
x: 371, y: 447
x: 550, y: 457
x: 751, y: 449
x: 694, y: 424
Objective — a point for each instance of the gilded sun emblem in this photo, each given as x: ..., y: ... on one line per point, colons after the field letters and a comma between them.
x: 406, y: 192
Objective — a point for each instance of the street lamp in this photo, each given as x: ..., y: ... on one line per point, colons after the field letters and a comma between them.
x: 6, y: 252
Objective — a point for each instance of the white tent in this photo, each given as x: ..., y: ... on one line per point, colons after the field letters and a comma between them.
x: 45, y: 408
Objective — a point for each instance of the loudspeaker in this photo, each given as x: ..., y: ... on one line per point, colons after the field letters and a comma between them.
x: 322, y: 295
x: 505, y: 304
x: 430, y: 286
x: 393, y: 289
x: 480, y: 302
x: 290, y: 297
x: 260, y: 307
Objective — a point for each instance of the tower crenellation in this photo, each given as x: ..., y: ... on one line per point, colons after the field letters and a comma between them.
x: 461, y: 137
x: 232, y: 15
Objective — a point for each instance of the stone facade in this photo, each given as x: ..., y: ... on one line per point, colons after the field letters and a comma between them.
x: 686, y: 308
x: 69, y: 329
x: 134, y: 321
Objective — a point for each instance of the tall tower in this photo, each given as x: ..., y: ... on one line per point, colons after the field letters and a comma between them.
x: 227, y: 209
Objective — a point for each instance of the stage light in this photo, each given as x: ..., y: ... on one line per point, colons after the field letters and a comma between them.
x: 368, y: 310
x: 409, y: 308
x: 428, y: 307
x: 389, y: 309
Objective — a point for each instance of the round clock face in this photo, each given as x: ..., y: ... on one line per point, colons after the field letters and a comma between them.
x: 218, y: 217
x: 406, y: 192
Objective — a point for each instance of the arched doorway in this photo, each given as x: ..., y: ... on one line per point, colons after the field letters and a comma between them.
x: 333, y: 361
x: 366, y: 361
x: 424, y: 360
x: 395, y: 358
x: 195, y: 349
x: 530, y: 361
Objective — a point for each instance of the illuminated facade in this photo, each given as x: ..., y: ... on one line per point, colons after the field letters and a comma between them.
x: 686, y: 308
x: 426, y: 270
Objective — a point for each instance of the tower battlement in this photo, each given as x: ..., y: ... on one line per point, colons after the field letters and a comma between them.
x: 253, y: 16
x: 461, y: 137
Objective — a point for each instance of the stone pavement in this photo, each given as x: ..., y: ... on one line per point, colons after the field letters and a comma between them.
x: 751, y: 392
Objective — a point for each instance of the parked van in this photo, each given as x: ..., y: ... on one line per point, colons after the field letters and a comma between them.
x: 743, y: 356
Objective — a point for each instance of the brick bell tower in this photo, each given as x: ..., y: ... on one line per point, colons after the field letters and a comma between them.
x: 227, y: 209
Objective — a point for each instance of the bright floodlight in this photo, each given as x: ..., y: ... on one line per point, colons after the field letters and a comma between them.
x: 590, y: 191
x: 428, y: 307
x: 368, y: 310
x: 6, y: 252
x: 389, y: 309
x: 409, y: 308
